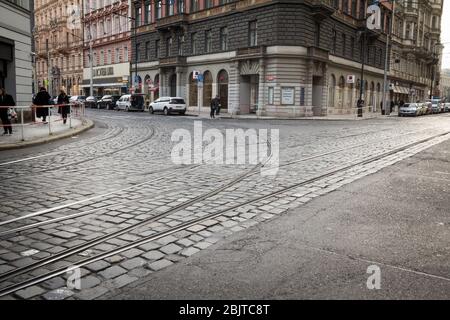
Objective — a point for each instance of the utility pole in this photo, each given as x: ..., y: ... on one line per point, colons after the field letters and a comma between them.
x: 91, y: 58
x: 387, y: 109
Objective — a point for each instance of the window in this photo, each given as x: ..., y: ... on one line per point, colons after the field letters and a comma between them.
x: 194, y: 43
x: 117, y: 57
x: 224, y: 39
x: 125, y: 54
x: 345, y: 6
x: 102, y: 57
x: 147, y: 50
x: 354, y: 4
x: 208, y: 41
x: 94, y: 62
x: 138, y: 17
x: 317, y: 34
x: 157, y: 49
x: 195, y: 5
x: 252, y: 34
x: 333, y: 40
x: 169, y: 46
x: 352, y: 47
x: 302, y: 96
x: 109, y: 56
x: 158, y: 5
x: 148, y: 14
x: 344, y: 44
x: 180, y: 45
x: 209, y: 4
x: 170, y: 5
x: 181, y: 6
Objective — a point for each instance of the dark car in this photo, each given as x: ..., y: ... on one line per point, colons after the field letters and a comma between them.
x: 107, y: 102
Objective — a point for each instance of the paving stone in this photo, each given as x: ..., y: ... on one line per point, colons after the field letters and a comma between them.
x: 153, y: 255
x: 131, y: 253
x: 160, y: 264
x: 202, y: 245
x: 92, y: 293
x: 65, y: 234
x: 54, y: 283
x: 170, y: 248
x: 123, y: 280
x: 166, y: 240
x: 58, y: 294
x: 89, y: 282
x: 98, y: 265
x: 133, y: 263
x: 189, y: 251
x: 149, y: 246
x: 30, y: 292
x: 112, y: 272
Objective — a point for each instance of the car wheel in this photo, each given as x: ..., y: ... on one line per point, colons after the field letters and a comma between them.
x: 183, y: 113
x: 166, y: 111
x: 150, y: 110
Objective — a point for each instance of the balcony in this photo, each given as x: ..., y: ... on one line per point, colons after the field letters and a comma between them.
x: 322, y: 9
x: 251, y: 52
x: 172, y: 22
x: 62, y: 47
x: 318, y: 53
x: 172, y: 61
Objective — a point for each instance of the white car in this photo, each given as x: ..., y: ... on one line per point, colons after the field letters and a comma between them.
x: 77, y: 99
x: 131, y: 102
x: 168, y: 105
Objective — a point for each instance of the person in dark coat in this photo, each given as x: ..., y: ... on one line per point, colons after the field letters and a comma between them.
x: 213, y: 108
x: 42, y: 99
x: 6, y: 100
x: 218, y: 106
x: 64, y: 108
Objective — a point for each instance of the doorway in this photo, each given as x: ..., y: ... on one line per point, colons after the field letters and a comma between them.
x: 249, y: 92
x: 173, y: 85
x: 317, y: 95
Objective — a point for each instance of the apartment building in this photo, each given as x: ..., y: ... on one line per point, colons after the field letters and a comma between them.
x: 107, y: 27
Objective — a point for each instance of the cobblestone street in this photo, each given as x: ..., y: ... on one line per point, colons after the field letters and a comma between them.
x: 112, y: 202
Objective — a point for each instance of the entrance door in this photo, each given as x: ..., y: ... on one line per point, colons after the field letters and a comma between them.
x: 317, y: 96
x: 254, y: 93
x: 248, y: 93
x: 173, y: 85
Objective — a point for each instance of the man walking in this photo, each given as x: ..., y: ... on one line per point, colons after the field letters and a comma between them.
x: 6, y: 100
x: 42, y: 99
x: 213, y: 108
x: 218, y: 105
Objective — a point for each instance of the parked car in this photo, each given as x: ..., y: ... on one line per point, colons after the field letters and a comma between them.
x: 446, y: 106
x: 436, y: 105
x: 77, y: 99
x: 131, y: 102
x: 107, y: 102
x: 423, y: 108
x: 168, y: 105
x: 409, y: 109
x: 429, y: 107
x: 91, y: 102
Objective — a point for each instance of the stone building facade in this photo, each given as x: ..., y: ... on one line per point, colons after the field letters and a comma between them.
x: 15, y: 49
x: 416, y: 50
x: 271, y: 57
x: 58, y: 45
x: 107, y: 25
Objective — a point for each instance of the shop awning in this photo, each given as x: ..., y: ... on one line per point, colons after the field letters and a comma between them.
x: 96, y: 85
x: 401, y: 90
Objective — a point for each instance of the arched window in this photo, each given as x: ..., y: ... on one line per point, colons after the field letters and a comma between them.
x: 193, y: 91
x: 207, y: 88
x: 222, y: 80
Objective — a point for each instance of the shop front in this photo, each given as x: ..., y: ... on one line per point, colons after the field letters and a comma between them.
x: 107, y: 80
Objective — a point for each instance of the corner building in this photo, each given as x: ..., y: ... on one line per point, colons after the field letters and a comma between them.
x: 271, y: 57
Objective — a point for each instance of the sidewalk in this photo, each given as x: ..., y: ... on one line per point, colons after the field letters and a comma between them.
x: 366, y: 116
x: 39, y: 132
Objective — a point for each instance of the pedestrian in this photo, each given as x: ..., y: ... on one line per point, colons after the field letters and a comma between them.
x: 63, y: 101
x: 42, y: 99
x: 213, y: 108
x: 218, y: 105
x: 392, y: 105
x: 6, y: 100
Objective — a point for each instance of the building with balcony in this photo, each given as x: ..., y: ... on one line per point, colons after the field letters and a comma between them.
x: 271, y: 57
x: 58, y: 44
x: 15, y: 49
x: 107, y: 27
x: 416, y: 53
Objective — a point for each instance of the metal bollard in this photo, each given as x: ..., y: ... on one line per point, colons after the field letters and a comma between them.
x: 21, y: 122
x: 49, y: 122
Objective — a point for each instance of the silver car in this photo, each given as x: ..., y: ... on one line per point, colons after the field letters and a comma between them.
x: 410, y: 109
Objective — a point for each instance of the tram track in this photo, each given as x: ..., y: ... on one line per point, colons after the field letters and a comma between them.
x: 108, y: 253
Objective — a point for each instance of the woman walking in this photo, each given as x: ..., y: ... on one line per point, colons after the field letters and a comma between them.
x: 64, y: 108
x: 42, y: 99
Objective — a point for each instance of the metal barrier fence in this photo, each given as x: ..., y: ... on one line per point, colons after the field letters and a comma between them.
x: 76, y: 111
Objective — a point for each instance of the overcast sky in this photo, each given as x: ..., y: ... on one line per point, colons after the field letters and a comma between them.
x: 445, y: 34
